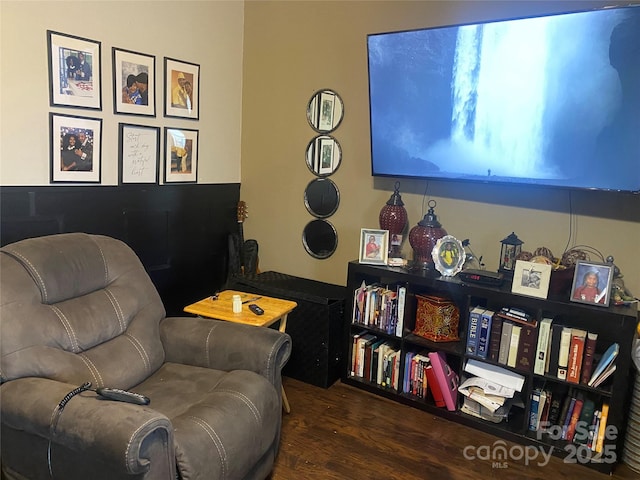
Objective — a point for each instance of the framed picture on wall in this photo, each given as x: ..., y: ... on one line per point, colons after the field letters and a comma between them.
x: 139, y: 152
x: 181, y: 89
x: 134, y: 80
x: 74, y: 71
x: 75, y: 148
x: 181, y: 155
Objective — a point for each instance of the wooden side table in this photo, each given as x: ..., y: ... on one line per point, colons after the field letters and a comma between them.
x: 275, y: 309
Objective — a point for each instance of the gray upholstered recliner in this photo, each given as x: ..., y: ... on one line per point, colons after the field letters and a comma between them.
x: 78, y: 308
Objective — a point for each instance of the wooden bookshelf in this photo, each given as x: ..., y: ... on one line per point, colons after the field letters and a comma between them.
x: 613, y: 325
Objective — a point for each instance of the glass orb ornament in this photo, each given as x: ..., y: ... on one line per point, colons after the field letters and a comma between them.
x: 424, y: 236
x: 393, y: 217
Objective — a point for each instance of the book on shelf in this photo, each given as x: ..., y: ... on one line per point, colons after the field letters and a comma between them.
x: 526, y: 348
x: 575, y: 417
x: 593, y: 430
x: 402, y: 294
x: 568, y: 415
x: 447, y: 379
x: 434, y: 386
x: 495, y: 337
x: 563, y: 353
x: 585, y: 421
x: 373, y: 367
x: 542, y: 347
x: 363, y: 340
x: 587, y: 359
x: 534, y: 408
x: 495, y: 374
x: 476, y: 409
x: 505, y: 342
x: 512, y: 359
x: 564, y: 410
x: 473, y: 330
x: 354, y: 351
x: 576, y: 352
x: 602, y: 427
x: 607, y: 358
x: 485, y: 332
x: 518, y: 316
x: 358, y: 303
x: 604, y: 375
x: 554, y: 349
x: 547, y: 395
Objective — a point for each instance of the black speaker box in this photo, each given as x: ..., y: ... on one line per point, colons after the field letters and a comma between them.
x: 315, y: 325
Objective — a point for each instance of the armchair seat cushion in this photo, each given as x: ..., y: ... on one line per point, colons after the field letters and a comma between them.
x: 200, y: 403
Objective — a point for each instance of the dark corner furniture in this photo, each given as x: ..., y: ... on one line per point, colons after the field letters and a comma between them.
x: 315, y: 325
x: 78, y: 308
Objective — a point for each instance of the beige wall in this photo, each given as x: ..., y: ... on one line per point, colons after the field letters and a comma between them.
x: 256, y: 107
x: 208, y: 33
x: 293, y: 49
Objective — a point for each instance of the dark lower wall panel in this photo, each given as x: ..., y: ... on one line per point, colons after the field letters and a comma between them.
x: 179, y: 231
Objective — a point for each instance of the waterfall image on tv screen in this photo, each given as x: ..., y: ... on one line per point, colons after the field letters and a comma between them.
x: 551, y: 100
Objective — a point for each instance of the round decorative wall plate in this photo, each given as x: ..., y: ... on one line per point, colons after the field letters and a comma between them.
x: 448, y: 255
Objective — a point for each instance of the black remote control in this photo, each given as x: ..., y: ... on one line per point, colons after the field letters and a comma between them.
x: 256, y: 309
x: 122, y: 396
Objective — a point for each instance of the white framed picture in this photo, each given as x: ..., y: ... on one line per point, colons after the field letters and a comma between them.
x: 531, y: 279
x: 374, y: 246
x: 75, y: 148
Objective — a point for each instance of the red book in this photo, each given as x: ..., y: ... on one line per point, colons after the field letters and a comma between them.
x: 576, y: 350
x: 447, y: 379
x: 527, y: 348
x: 575, y: 416
x: 432, y: 383
x: 587, y: 359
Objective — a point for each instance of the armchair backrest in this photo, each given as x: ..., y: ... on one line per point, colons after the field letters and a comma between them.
x: 75, y: 308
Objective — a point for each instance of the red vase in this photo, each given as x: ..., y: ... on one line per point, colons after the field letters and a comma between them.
x: 393, y: 217
x: 424, y: 236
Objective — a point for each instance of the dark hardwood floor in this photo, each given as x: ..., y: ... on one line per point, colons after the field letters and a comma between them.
x: 346, y: 433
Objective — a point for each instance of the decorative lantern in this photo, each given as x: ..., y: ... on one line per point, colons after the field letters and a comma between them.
x: 393, y: 217
x: 511, y: 248
x: 423, y: 238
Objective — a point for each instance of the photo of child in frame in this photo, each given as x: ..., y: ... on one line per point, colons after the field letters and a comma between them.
x: 591, y: 283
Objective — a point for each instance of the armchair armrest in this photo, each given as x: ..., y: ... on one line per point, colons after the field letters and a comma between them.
x: 226, y: 346
x: 113, y: 432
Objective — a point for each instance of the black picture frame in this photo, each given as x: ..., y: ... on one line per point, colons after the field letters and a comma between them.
x: 138, y: 154
x: 180, y: 100
x: 76, y: 149
x: 140, y: 68
x: 592, y: 283
x: 74, y: 71
x: 180, y: 155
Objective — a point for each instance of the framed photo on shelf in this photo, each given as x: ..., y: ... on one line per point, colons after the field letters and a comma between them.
x: 134, y: 80
x: 448, y: 255
x: 592, y: 283
x: 374, y: 246
x: 181, y: 155
x: 181, y: 89
x: 74, y: 71
x: 75, y: 148
x: 531, y: 279
x: 139, y: 153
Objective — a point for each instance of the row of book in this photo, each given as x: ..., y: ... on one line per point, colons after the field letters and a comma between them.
x: 428, y: 372
x: 511, y: 337
x: 570, y: 354
x: 375, y: 360
x: 507, y: 337
x: 380, y: 307
x: 571, y: 416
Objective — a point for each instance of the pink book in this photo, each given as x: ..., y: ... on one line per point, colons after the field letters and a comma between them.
x: 447, y: 378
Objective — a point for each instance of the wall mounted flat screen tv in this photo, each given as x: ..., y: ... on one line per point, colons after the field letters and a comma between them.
x: 551, y: 100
